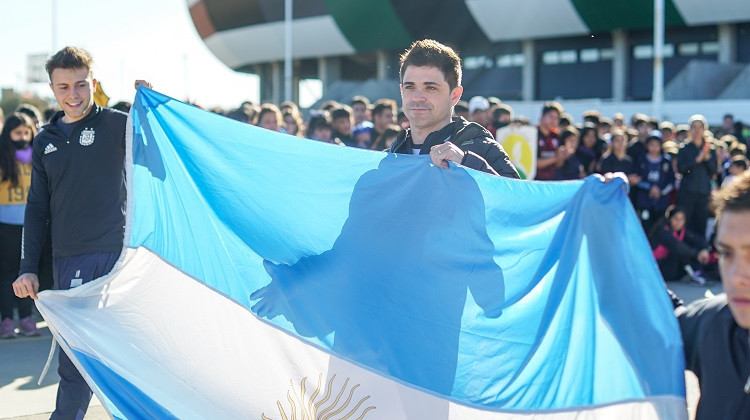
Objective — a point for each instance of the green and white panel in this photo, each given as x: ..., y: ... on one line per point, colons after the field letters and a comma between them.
x: 505, y: 20
x: 704, y: 12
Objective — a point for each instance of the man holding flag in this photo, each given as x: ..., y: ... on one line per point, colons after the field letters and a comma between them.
x: 77, y: 186
x: 430, y: 88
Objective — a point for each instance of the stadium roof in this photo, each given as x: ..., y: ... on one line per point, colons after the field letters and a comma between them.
x: 242, y: 33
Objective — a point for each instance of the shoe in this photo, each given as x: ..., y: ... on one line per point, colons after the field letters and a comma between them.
x: 7, y: 328
x: 28, y: 327
x: 695, y: 276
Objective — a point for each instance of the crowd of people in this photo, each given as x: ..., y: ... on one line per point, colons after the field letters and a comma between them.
x: 672, y: 168
x: 672, y: 171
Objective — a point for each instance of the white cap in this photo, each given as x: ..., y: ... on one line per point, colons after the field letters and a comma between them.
x: 478, y: 103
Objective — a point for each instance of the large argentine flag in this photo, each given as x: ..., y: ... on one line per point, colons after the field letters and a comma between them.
x: 267, y: 276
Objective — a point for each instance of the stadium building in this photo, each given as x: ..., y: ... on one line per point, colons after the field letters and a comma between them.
x: 585, y: 53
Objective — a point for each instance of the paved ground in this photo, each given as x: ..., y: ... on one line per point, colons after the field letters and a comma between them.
x: 22, y: 360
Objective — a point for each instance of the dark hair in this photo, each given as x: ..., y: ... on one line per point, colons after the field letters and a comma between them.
x: 733, y: 197
x: 390, y: 131
x: 70, y: 58
x: 502, y: 109
x: 592, y: 116
x: 739, y: 161
x: 568, y: 132
x: 344, y: 111
x: 383, y: 104
x: 588, y: 127
x: 297, y: 120
x: 123, y: 106
x: 552, y: 106
x: 329, y: 105
x: 430, y: 53
x: 31, y: 111
x: 49, y: 113
x: 359, y: 99
x: 319, y: 119
x: 8, y: 164
x: 461, y: 106
x: 566, y: 118
x: 268, y: 109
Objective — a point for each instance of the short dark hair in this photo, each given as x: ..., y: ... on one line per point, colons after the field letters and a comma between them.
x: 552, y: 106
x: 502, y: 109
x: 318, y: 119
x: 592, y: 116
x: 383, y: 104
x: 70, y: 58
x: 344, y: 111
x: 31, y: 111
x: 733, y: 197
x: 739, y: 161
x: 461, y: 106
x: 430, y: 53
x: 359, y: 99
x: 268, y: 109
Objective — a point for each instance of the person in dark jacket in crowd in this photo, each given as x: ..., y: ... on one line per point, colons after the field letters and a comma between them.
x: 674, y: 246
x: 590, y: 148
x: 715, y: 330
x: 571, y: 167
x: 617, y: 159
x: 697, y: 162
x: 430, y: 75
x: 78, y: 187
x: 654, y: 181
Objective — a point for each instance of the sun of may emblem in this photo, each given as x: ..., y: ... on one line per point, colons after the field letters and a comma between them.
x: 87, y: 137
x: 325, y: 407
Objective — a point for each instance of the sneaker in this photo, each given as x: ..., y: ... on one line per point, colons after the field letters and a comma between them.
x: 28, y: 327
x: 7, y: 328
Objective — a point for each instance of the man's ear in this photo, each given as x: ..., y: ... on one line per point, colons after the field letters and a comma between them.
x: 456, y: 94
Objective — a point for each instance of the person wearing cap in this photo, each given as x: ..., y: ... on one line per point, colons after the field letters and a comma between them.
x: 479, y: 112
x: 715, y: 330
x: 637, y: 148
x: 461, y: 109
x: 697, y: 162
x: 430, y: 75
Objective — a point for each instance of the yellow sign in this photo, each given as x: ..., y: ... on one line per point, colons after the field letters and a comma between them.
x: 520, y: 143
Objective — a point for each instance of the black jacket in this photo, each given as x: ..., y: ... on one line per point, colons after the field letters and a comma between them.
x: 78, y: 186
x: 717, y: 351
x: 696, y: 177
x: 483, y: 153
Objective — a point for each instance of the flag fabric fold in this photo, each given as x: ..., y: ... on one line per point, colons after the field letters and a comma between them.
x: 269, y: 276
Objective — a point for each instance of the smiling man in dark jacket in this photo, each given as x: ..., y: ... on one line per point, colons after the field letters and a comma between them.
x: 430, y: 88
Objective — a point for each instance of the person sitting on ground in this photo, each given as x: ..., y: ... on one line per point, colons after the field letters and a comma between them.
x: 674, y: 246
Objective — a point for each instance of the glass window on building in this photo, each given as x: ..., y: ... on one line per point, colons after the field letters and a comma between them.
x: 643, y: 52
x: 710, y: 47
x: 688, y: 49
x: 551, y: 57
x: 590, y: 55
x: 568, y: 56
x: 510, y: 60
x: 477, y: 62
x: 607, y: 54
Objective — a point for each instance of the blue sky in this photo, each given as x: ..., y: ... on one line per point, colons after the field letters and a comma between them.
x: 129, y: 39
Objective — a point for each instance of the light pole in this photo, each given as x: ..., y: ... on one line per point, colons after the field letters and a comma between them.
x: 288, y: 50
x: 657, y: 95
